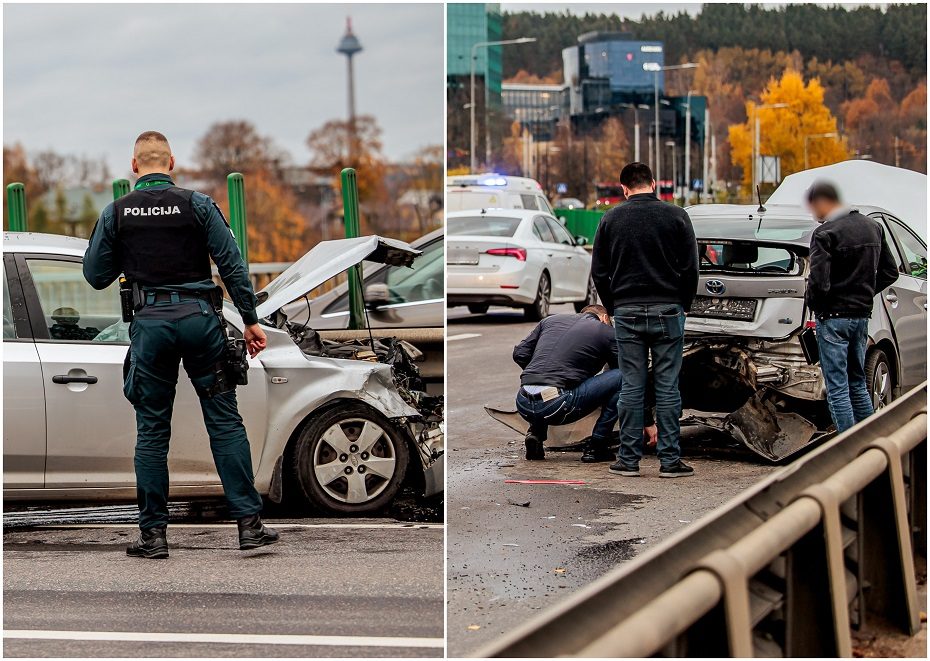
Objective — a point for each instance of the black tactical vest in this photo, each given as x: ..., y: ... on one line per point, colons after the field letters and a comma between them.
x: 161, y: 241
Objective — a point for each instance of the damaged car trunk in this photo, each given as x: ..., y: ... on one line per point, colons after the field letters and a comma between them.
x: 744, y: 371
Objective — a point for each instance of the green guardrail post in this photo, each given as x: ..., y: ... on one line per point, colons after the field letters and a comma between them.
x: 235, y: 185
x: 350, y: 217
x: 16, y: 207
x: 120, y: 187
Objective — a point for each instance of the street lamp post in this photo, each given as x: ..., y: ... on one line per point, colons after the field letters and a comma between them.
x: 671, y: 143
x: 474, y: 56
x: 756, y: 152
x: 349, y: 46
x: 656, y: 70
x: 688, y: 149
x: 832, y: 134
x: 636, y: 108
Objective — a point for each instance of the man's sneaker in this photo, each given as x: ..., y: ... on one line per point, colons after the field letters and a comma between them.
x: 534, y: 447
x: 620, y: 468
x: 152, y: 543
x: 253, y: 533
x: 680, y: 469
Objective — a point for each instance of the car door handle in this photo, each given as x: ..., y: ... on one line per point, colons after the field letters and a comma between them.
x: 65, y: 379
x: 891, y: 297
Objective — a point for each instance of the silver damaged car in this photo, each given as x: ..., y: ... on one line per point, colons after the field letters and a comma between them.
x: 334, y: 426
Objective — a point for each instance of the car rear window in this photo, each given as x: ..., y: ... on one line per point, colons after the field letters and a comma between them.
x: 482, y: 226
x: 747, y: 257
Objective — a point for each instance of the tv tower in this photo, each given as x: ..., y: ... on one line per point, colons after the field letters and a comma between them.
x: 349, y: 45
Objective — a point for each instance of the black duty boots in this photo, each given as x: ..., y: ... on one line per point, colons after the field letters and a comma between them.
x: 596, y: 452
x: 152, y: 543
x: 253, y: 533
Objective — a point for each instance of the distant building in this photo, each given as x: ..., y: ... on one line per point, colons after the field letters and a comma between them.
x: 469, y: 24
x: 538, y: 108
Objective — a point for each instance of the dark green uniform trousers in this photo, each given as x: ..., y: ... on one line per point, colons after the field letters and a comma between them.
x: 163, y: 335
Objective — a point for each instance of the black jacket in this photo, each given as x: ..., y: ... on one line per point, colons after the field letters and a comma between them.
x: 566, y: 349
x: 850, y: 263
x: 645, y: 252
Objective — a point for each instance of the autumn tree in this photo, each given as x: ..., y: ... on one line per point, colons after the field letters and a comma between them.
x: 330, y: 146
x: 235, y: 146
x: 783, y: 130
x: 277, y: 232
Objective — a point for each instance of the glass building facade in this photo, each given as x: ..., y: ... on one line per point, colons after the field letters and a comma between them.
x: 536, y: 107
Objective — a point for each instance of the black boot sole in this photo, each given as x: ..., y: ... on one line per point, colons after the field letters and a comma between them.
x: 149, y: 554
x: 264, y: 540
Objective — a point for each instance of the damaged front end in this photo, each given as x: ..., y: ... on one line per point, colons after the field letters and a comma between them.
x: 425, y: 429
x: 760, y: 391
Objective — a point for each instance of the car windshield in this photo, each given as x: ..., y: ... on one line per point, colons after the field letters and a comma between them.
x: 747, y: 257
x: 482, y: 225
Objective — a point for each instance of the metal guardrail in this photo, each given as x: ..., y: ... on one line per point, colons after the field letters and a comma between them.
x: 785, y: 569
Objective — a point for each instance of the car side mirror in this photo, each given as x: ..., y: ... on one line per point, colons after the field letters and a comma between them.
x: 581, y: 240
x: 376, y: 295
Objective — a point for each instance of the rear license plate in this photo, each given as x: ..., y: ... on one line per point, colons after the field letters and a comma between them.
x: 742, y: 309
x: 462, y: 256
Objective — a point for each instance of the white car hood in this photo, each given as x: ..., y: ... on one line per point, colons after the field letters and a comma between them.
x: 902, y: 192
x: 326, y: 260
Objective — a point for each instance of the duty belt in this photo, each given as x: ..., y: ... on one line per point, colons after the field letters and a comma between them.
x: 180, y: 297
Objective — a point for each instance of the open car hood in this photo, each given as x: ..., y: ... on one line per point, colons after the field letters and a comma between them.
x: 901, y: 192
x: 326, y: 260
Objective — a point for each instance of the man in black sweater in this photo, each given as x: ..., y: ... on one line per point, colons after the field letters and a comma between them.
x: 645, y: 268
x: 562, y: 380
x: 850, y: 263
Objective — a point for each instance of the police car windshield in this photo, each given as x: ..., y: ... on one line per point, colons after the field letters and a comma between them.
x: 482, y: 226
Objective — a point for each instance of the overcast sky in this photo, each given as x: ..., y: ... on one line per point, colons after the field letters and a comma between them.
x: 86, y: 79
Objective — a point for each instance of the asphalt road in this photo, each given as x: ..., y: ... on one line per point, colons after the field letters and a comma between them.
x: 508, y: 561
x: 331, y: 588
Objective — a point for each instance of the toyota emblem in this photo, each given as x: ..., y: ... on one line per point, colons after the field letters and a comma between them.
x: 715, y: 287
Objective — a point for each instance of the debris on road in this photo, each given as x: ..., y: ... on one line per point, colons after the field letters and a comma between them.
x: 519, y: 503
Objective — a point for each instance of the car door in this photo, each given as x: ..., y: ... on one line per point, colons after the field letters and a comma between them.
x: 576, y: 269
x: 548, y: 251
x: 906, y: 302
x: 82, y: 342
x: 23, y: 392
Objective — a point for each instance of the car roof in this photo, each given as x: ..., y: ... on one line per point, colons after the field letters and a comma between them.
x: 44, y: 243
x: 481, y: 181
x: 500, y: 213
x: 779, y: 223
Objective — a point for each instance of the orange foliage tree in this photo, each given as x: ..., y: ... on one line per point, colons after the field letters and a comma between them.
x: 783, y: 130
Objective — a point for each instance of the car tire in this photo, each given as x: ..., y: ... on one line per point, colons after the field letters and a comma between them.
x: 879, y: 379
x: 330, y: 469
x: 478, y: 308
x: 539, y: 308
x: 590, y: 297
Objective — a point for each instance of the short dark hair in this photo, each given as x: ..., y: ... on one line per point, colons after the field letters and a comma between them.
x: 822, y: 190
x: 636, y: 175
x: 594, y: 309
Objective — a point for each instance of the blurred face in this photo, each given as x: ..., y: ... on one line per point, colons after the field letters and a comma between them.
x: 821, y: 208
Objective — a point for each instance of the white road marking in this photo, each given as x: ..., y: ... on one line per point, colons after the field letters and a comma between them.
x: 462, y: 336
x: 277, y: 526
x: 227, y: 638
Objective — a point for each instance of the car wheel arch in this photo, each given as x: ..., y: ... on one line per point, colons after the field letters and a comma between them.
x: 888, y: 347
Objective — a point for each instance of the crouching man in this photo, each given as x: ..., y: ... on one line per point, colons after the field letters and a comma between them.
x: 562, y: 380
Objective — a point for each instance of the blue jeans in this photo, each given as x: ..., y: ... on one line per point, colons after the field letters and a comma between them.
x: 600, y: 391
x: 842, y: 342
x: 658, y: 328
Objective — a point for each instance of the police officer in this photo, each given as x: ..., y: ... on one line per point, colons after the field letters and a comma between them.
x: 162, y: 238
